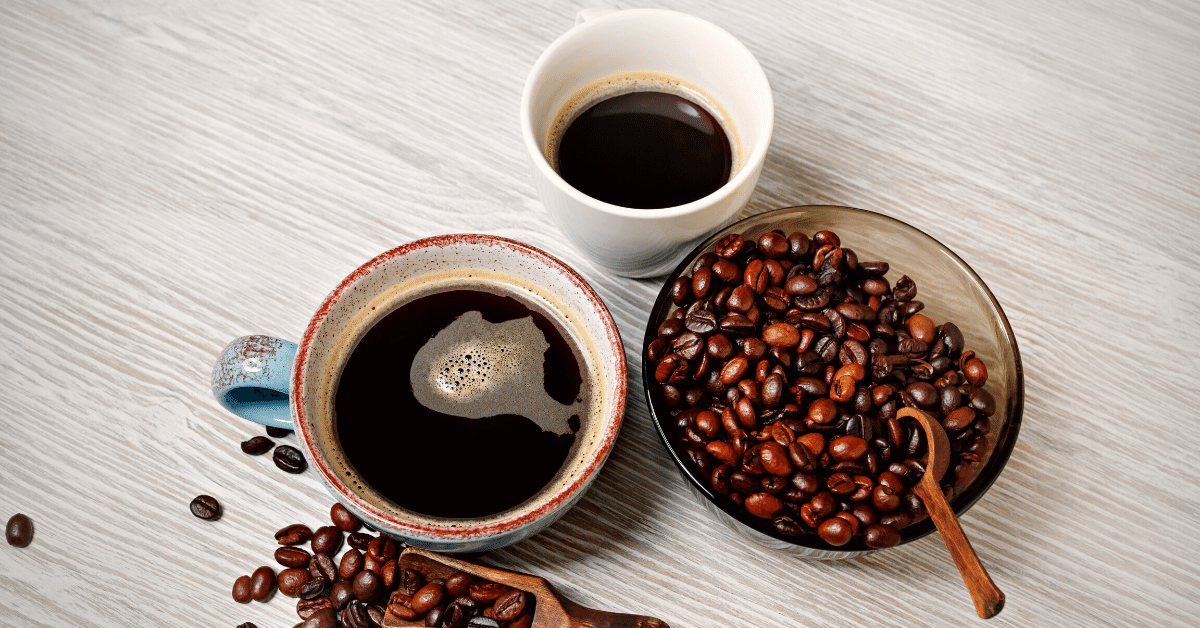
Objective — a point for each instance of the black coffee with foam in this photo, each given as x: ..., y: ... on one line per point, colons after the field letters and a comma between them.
x: 645, y: 150
x: 435, y: 461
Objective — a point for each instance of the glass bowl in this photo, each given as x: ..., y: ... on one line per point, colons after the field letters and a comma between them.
x: 950, y: 290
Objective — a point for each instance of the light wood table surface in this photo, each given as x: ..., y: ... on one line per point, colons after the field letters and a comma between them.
x: 176, y: 174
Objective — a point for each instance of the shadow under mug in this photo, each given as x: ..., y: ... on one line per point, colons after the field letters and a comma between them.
x: 278, y: 383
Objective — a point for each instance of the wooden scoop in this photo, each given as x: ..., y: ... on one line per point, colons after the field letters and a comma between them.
x: 551, y: 610
x: 988, y: 598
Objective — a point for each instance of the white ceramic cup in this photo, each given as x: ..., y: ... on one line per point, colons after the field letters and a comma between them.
x: 647, y: 242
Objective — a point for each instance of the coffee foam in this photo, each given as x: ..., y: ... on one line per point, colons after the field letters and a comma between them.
x: 628, y: 82
x: 473, y: 368
x: 591, y: 406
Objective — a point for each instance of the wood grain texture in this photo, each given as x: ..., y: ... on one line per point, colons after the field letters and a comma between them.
x: 176, y: 174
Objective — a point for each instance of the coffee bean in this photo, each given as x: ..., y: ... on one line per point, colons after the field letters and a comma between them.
x: 294, y: 534
x: 19, y: 530
x: 428, y: 597
x: 289, y: 581
x: 321, y: 565
x: 324, y: 618
x: 367, y: 586
x: 246, y: 625
x: 316, y: 587
x: 351, y: 564
x: 241, y: 590
x: 487, y: 592
x: 483, y: 622
x: 340, y: 594
x: 459, y: 583
x: 382, y: 548
x: 881, y: 535
x: 277, y: 432
x: 376, y: 614
x: 307, y: 607
x: 359, y: 540
x: 343, y: 519
x: 292, y: 556
x: 257, y: 446
x: 289, y: 459
x: 835, y: 531
x: 434, y: 618
x: 262, y: 583
x: 204, y: 507
x: 327, y: 540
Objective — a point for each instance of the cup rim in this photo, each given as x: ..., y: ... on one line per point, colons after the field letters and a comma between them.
x: 462, y: 533
x: 749, y: 168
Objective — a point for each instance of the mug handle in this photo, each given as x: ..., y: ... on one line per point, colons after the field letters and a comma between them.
x: 252, y: 379
x: 590, y: 13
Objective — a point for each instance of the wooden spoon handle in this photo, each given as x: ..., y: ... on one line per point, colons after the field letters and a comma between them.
x: 988, y: 598
x: 583, y: 617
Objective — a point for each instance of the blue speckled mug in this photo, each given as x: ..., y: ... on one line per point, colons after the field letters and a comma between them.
x: 283, y: 384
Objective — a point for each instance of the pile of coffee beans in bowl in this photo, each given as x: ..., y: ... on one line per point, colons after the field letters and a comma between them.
x: 782, y: 367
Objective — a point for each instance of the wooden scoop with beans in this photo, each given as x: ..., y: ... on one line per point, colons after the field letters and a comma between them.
x: 437, y: 590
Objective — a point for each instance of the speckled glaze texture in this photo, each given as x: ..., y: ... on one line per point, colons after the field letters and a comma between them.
x: 318, y: 352
x: 252, y: 377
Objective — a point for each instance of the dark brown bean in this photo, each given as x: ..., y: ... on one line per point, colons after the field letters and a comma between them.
x: 316, y: 587
x: 881, y: 535
x: 340, y: 594
x: 487, y: 592
x: 289, y: 459
x: 241, y: 590
x: 359, y: 540
x: 291, y: 580
x: 351, y: 564
x: 459, y: 583
x: 730, y: 246
x: 262, y: 583
x: 294, y: 534
x: 205, y: 507
x: 343, y: 519
x: 428, y: 597
x: 510, y: 605
x: 367, y: 586
x: 307, y: 607
x: 781, y: 335
x: 681, y: 291
x: 257, y: 446
x: 292, y: 556
x: 835, y: 531
x: 702, y: 282
x: 763, y: 505
x: 327, y: 540
x: 323, y: 566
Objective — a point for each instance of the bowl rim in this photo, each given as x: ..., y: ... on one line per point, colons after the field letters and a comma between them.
x: 1005, y: 441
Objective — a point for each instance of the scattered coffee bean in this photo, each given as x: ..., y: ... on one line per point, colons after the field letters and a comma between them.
x: 321, y: 565
x: 341, y: 593
x: 241, y: 590
x: 262, y: 583
x: 277, y: 432
x: 246, y: 625
x: 206, y: 507
x: 359, y: 540
x: 316, y: 587
x: 324, y: 618
x: 292, y: 556
x: 19, y: 531
x: 306, y: 608
x: 257, y: 446
x: 343, y: 518
x: 382, y: 548
x: 351, y: 564
x: 294, y: 534
x: 327, y: 540
x: 290, y: 459
x: 291, y: 580
x: 367, y: 586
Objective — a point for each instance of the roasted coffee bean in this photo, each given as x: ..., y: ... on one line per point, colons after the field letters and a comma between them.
x: 382, y: 548
x: 483, y: 621
x: 741, y: 299
x: 835, y: 531
x: 292, y: 556
x: 294, y: 534
x: 324, y: 618
x: 763, y: 505
x: 388, y: 573
x: 340, y: 594
x: 359, y: 540
x: 327, y: 540
x: 689, y: 345
x: 351, y: 564
x: 781, y: 335
x: 355, y: 616
x: 681, y: 291
x: 376, y: 614
x: 322, y: 565
x: 309, y: 606
x: 277, y: 432
x: 703, y: 261
x: 881, y: 535
x: 257, y: 446
x: 428, y: 597
x: 241, y: 590
x: 289, y: 459
x: 19, y: 530
x: 701, y: 321
x: 730, y: 246
x: 487, y: 592
x: 262, y: 583
x: 367, y: 586
x: 314, y: 588
x: 247, y: 625
x: 702, y: 282
x: 291, y: 580
x: 459, y: 583
x: 343, y: 519
x: 672, y: 369
x: 204, y: 507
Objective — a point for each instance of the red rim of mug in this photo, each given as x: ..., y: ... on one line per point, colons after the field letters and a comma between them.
x: 465, y: 533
